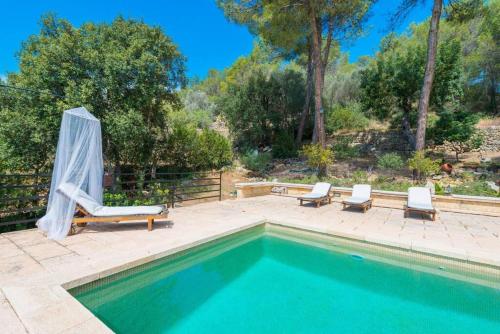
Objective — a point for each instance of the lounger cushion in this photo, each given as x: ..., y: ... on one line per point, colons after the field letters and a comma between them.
x: 321, y: 188
x: 97, y: 210
x: 362, y: 191
x: 356, y: 200
x: 109, y: 211
x: 312, y: 196
x: 420, y: 198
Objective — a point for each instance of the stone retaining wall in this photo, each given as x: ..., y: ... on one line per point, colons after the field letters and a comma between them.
x: 394, y: 141
x: 391, y: 199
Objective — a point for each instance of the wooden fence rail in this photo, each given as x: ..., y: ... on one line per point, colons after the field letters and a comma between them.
x: 23, y: 197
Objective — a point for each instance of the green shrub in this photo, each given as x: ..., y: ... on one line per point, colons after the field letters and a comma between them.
x: 390, y: 161
x: 318, y: 157
x: 348, y: 117
x: 343, y: 149
x: 458, y: 129
x: 475, y: 188
x: 359, y: 176
x: 424, y: 166
x: 214, y: 151
x: 182, y: 144
x: 284, y: 146
x: 257, y: 162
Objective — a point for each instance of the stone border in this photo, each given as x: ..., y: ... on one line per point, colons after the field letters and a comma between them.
x: 390, y: 199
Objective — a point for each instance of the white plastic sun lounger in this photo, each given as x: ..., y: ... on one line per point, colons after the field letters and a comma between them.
x: 361, y: 197
x: 420, y: 200
x: 90, y: 211
x: 319, y: 194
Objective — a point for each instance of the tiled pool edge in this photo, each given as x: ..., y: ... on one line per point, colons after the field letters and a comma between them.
x: 407, y: 257
x: 143, y: 260
x: 427, y: 259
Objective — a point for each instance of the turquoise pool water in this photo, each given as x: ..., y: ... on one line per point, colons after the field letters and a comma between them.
x: 272, y: 285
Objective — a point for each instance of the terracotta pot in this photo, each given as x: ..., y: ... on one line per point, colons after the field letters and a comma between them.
x: 447, y: 168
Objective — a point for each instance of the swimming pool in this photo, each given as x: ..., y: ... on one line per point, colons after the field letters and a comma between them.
x: 261, y: 281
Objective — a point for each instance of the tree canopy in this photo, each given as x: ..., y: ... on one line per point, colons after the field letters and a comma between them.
x: 126, y: 73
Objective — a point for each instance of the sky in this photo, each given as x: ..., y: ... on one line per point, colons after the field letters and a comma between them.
x: 198, y: 27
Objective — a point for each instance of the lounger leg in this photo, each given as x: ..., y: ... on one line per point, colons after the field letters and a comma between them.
x: 300, y: 202
x: 433, y: 216
x: 150, y: 224
x: 329, y: 200
x: 318, y: 203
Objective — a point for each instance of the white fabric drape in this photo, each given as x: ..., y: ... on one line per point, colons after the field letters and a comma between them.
x: 79, y: 162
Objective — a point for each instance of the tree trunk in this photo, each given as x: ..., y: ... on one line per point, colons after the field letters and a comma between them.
x: 493, y: 96
x: 307, y: 102
x: 423, y: 103
x: 318, y: 114
x: 406, y: 129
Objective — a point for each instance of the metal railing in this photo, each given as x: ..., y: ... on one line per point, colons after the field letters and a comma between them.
x: 23, y: 197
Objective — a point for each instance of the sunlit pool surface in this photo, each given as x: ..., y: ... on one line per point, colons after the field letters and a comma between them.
x: 264, y: 284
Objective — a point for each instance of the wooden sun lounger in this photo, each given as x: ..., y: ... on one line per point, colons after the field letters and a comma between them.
x: 318, y: 201
x: 431, y: 212
x: 83, y: 217
x: 364, y: 205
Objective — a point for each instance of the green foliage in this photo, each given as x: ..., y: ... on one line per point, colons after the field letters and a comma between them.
x: 424, y: 166
x: 390, y: 84
x: 390, y: 161
x: 475, y: 188
x: 189, y: 149
x: 342, y: 81
x: 284, y: 146
x: 257, y: 162
x: 343, y: 148
x: 126, y: 73
x: 214, y: 151
x: 359, y: 176
x: 458, y: 129
x: 349, y: 117
x: 317, y: 156
x: 198, y: 109
x: 260, y: 108
x: 182, y: 146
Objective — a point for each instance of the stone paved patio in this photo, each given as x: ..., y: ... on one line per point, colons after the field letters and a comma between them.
x: 34, y: 271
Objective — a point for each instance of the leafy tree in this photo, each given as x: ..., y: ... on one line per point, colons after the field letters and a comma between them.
x: 290, y: 25
x: 349, y: 117
x: 214, y: 151
x: 263, y: 106
x: 318, y: 157
x: 430, y: 64
x: 458, y: 130
x: 342, y: 81
x: 390, y: 83
x: 126, y: 73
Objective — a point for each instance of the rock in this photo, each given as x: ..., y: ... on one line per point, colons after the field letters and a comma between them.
x: 493, y: 186
x: 431, y: 186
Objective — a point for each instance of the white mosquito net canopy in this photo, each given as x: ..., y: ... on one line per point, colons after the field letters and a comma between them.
x: 79, y: 162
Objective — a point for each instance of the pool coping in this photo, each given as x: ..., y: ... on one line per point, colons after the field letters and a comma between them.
x: 368, y: 240
x: 68, y: 306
